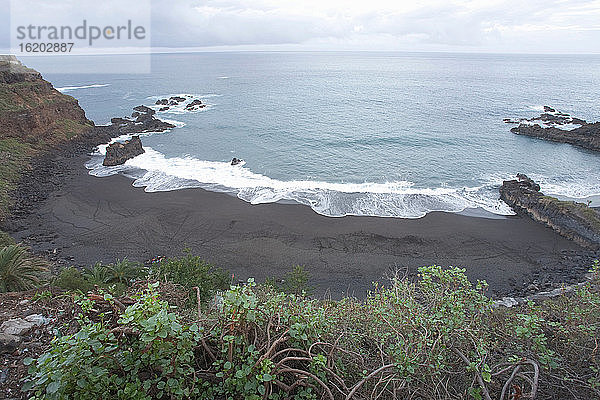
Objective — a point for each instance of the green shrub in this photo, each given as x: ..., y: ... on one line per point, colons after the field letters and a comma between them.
x: 98, y: 274
x: 293, y: 282
x: 436, y: 338
x: 71, y: 278
x: 296, y: 281
x: 190, y: 272
x: 149, y: 354
x: 124, y: 271
x: 18, y: 269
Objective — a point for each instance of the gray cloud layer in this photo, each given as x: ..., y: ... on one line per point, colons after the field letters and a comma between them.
x: 550, y: 26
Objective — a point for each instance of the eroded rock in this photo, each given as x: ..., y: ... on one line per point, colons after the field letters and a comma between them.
x: 575, y: 221
x: 118, y: 153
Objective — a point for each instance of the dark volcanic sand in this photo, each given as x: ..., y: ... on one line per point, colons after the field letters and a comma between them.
x: 91, y: 219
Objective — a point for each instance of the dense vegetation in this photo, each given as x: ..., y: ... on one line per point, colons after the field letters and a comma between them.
x: 439, y: 337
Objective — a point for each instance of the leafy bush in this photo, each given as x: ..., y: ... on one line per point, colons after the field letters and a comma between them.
x: 124, y: 271
x: 437, y: 338
x: 148, y: 355
x: 294, y: 282
x: 18, y: 269
x: 113, y: 277
x: 70, y: 278
x: 192, y: 272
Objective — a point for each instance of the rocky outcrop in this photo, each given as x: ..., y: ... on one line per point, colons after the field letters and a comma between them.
x: 559, y: 127
x: 32, y: 111
x: 192, y: 104
x: 575, y: 221
x: 142, y: 120
x: 117, y: 153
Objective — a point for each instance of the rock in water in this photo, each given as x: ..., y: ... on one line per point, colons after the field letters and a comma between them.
x: 142, y: 120
x: 117, y: 153
x: 194, y: 105
x: 559, y: 127
x: 575, y: 221
x: 236, y: 161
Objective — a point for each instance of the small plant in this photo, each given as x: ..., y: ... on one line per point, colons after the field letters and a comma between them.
x: 42, y: 296
x: 123, y: 271
x: 18, y: 269
x: 98, y: 274
x: 191, y: 271
x: 296, y: 281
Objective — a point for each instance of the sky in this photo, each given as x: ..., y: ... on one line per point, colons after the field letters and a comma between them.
x: 498, y: 26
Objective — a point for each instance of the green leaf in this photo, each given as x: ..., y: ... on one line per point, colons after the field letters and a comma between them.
x: 486, y: 376
x: 27, y: 360
x: 53, y: 387
x: 267, y: 377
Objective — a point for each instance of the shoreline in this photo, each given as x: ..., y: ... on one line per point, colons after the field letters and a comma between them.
x: 86, y: 219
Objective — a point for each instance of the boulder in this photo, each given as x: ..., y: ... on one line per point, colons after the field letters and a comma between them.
x: 144, y: 110
x: 549, y: 109
x: 22, y: 326
x: 163, y: 109
x: 177, y: 99
x: 118, y: 153
x: 194, y: 104
x: 162, y: 102
x: 236, y: 161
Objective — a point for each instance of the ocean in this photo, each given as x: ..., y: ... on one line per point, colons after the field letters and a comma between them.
x: 350, y: 133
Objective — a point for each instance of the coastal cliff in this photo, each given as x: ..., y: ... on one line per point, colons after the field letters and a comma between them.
x: 34, y: 119
x: 39, y: 128
x: 559, y: 127
x: 575, y: 221
x: 32, y: 110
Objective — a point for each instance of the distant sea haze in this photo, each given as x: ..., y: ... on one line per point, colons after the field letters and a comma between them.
x: 384, y: 134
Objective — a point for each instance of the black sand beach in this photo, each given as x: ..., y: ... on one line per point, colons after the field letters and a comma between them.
x: 88, y: 219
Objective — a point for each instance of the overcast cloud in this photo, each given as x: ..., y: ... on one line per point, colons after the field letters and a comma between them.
x: 532, y: 26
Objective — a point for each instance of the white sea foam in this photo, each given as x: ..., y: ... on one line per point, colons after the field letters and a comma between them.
x: 536, y: 108
x: 222, y: 77
x: 69, y: 88
x: 178, y: 124
x: 543, y: 124
x: 155, y: 172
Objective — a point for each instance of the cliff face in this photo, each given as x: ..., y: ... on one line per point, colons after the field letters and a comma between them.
x: 575, y: 221
x: 32, y: 111
x: 34, y: 118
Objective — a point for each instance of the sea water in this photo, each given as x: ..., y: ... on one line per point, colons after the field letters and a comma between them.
x: 383, y: 134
